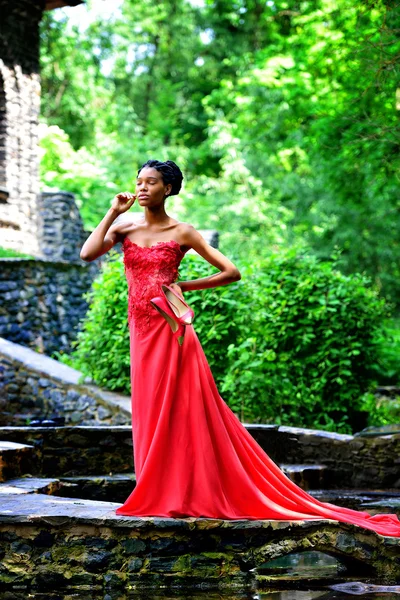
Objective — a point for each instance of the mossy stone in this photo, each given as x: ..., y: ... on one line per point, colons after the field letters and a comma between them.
x: 133, y: 546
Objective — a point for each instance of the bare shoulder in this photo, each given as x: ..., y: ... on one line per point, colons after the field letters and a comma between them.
x: 192, y: 238
x: 123, y: 225
x: 188, y: 233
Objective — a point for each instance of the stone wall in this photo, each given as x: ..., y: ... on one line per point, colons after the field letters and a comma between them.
x: 35, y: 386
x: 351, y: 460
x: 42, y: 303
x: 55, y: 543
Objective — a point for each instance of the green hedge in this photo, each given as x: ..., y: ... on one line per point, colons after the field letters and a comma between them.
x: 308, y: 344
x: 294, y: 342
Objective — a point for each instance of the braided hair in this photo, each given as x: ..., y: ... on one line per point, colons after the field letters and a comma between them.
x: 170, y: 173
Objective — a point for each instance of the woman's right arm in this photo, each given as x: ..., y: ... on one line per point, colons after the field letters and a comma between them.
x: 106, y: 235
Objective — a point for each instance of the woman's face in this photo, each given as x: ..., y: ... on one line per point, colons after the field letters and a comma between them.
x: 150, y: 188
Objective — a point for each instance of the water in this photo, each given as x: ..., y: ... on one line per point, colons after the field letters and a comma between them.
x: 302, y: 576
x: 310, y: 594
x: 302, y: 566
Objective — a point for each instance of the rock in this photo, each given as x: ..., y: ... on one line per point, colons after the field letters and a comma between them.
x: 135, y: 564
x: 134, y: 546
x: 97, y: 561
x: 103, y: 413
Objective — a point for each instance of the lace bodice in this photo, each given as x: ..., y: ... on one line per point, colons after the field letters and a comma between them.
x: 146, y: 269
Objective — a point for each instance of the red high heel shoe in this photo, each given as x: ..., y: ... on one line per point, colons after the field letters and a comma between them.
x: 175, y: 311
x: 181, y: 309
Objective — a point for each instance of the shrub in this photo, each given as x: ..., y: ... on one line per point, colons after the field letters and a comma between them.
x: 387, y: 367
x: 309, y: 339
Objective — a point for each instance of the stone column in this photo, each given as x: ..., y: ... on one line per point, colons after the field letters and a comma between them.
x: 19, y: 113
x: 61, y: 234
x: 19, y: 208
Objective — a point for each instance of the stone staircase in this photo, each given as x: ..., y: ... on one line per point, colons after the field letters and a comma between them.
x: 94, y: 463
x: 60, y: 486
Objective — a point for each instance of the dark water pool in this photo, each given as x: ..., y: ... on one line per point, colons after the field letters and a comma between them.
x: 305, y: 576
x: 311, y: 594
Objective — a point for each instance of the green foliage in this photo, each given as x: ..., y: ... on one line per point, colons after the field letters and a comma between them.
x: 77, y: 171
x: 316, y: 119
x: 8, y: 253
x: 305, y: 356
x: 293, y: 342
x: 74, y: 92
x: 382, y: 411
x: 283, y: 118
x: 215, y: 314
x: 387, y: 367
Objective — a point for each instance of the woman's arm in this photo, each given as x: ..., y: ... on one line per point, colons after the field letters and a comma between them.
x: 107, y: 234
x: 228, y: 271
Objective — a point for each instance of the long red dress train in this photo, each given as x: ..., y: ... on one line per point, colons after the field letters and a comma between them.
x: 192, y: 455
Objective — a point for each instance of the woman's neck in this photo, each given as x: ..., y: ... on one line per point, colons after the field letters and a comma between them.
x: 155, y: 215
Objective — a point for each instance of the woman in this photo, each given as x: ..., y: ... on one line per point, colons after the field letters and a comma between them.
x: 192, y: 455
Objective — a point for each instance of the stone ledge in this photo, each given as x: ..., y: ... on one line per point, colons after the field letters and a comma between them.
x: 30, y: 485
x: 45, y: 509
x: 42, y: 508
x: 63, y: 542
x: 47, y: 366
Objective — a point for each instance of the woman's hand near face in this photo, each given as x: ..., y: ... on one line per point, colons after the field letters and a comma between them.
x: 122, y: 202
x: 107, y: 233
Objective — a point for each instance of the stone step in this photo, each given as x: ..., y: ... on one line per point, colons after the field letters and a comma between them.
x: 80, y: 450
x: 107, y: 488
x: 117, y: 487
x: 385, y: 505
x: 89, y: 450
x: 65, y: 542
x: 16, y: 459
x: 374, y: 501
x: 307, y: 476
x: 31, y: 485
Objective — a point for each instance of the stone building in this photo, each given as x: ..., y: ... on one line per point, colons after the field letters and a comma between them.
x: 21, y: 226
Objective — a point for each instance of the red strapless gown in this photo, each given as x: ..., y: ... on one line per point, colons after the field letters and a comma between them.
x: 192, y: 455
